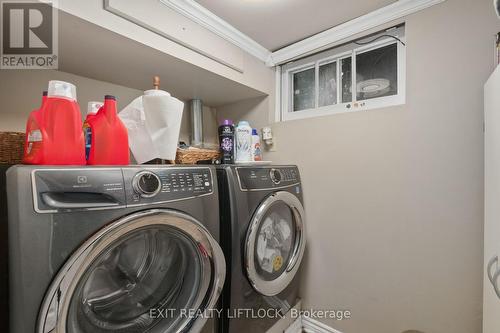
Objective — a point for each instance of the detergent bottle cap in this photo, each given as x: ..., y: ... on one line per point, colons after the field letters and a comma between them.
x: 62, y: 89
x: 93, y: 107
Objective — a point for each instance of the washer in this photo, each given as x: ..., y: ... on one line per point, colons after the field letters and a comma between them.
x: 4, y: 269
x: 125, y: 249
x: 263, y: 235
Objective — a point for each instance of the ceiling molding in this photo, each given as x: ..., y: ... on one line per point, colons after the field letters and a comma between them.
x: 199, y: 14
x: 336, y: 34
x: 202, y: 16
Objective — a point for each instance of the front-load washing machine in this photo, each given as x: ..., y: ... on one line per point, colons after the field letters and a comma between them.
x: 263, y: 235
x: 113, y: 249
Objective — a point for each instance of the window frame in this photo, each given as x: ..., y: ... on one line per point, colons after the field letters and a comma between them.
x: 286, y: 108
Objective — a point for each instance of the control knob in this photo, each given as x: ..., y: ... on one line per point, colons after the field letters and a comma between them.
x: 147, y: 184
x: 276, y: 176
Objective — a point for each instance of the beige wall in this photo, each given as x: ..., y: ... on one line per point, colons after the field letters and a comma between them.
x: 252, y: 110
x: 21, y: 90
x: 394, y: 197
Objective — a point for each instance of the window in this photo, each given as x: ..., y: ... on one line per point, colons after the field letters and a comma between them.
x: 377, y: 72
x: 327, y: 84
x: 303, y: 90
x: 365, y: 74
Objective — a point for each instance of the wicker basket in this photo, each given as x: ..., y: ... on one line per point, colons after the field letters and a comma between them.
x: 11, y: 147
x: 195, y: 155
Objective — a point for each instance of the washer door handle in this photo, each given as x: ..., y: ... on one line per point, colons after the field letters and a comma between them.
x: 78, y: 200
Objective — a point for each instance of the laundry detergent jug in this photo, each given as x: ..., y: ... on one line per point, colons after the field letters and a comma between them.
x: 108, y: 136
x: 92, y: 109
x: 54, y: 132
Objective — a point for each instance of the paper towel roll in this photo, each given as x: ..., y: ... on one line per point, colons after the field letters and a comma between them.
x: 153, y: 122
x: 163, y: 122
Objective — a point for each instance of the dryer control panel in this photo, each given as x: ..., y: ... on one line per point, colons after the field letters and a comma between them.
x: 68, y: 189
x: 265, y: 178
x: 156, y: 184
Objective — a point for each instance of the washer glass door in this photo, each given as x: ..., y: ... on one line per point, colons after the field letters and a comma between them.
x: 275, y: 243
x: 137, y: 275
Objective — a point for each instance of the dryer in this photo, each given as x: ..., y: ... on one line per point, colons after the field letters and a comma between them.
x: 263, y: 236
x: 113, y: 249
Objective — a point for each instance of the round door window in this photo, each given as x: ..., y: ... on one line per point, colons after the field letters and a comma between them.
x: 139, y: 274
x: 152, y: 268
x: 275, y: 243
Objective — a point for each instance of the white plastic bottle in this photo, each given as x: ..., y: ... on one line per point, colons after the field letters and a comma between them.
x: 256, y: 148
x: 243, y: 135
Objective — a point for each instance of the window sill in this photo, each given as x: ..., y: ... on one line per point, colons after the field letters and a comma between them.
x: 366, y: 105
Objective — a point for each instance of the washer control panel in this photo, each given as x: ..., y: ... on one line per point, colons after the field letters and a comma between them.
x: 63, y: 189
x: 262, y: 178
x: 166, y: 184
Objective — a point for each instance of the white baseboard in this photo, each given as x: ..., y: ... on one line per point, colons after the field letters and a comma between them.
x: 308, y: 325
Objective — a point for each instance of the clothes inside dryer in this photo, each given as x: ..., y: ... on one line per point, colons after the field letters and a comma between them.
x: 156, y: 267
x: 275, y: 241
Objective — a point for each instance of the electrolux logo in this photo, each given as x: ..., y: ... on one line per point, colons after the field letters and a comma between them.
x: 29, y: 35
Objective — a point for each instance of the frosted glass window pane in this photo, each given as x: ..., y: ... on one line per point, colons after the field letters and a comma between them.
x: 377, y: 73
x: 328, y: 84
x: 303, y: 90
x: 346, y: 74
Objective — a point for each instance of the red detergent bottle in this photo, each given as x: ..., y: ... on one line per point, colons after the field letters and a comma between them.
x: 92, y: 109
x: 33, y: 114
x: 53, y: 132
x: 108, y: 136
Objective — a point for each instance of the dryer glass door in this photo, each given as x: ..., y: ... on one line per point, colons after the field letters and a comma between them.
x: 275, y: 243
x: 139, y: 274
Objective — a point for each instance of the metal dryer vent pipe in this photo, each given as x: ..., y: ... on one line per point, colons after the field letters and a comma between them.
x: 196, y: 107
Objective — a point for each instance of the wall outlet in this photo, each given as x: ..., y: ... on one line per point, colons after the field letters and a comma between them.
x: 268, y: 139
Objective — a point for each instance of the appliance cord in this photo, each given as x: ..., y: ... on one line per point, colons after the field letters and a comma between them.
x: 379, y: 37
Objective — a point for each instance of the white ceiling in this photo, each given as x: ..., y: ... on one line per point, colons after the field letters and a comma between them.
x: 277, y: 23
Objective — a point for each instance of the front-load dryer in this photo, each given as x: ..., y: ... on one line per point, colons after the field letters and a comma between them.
x: 113, y: 249
x: 263, y: 235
